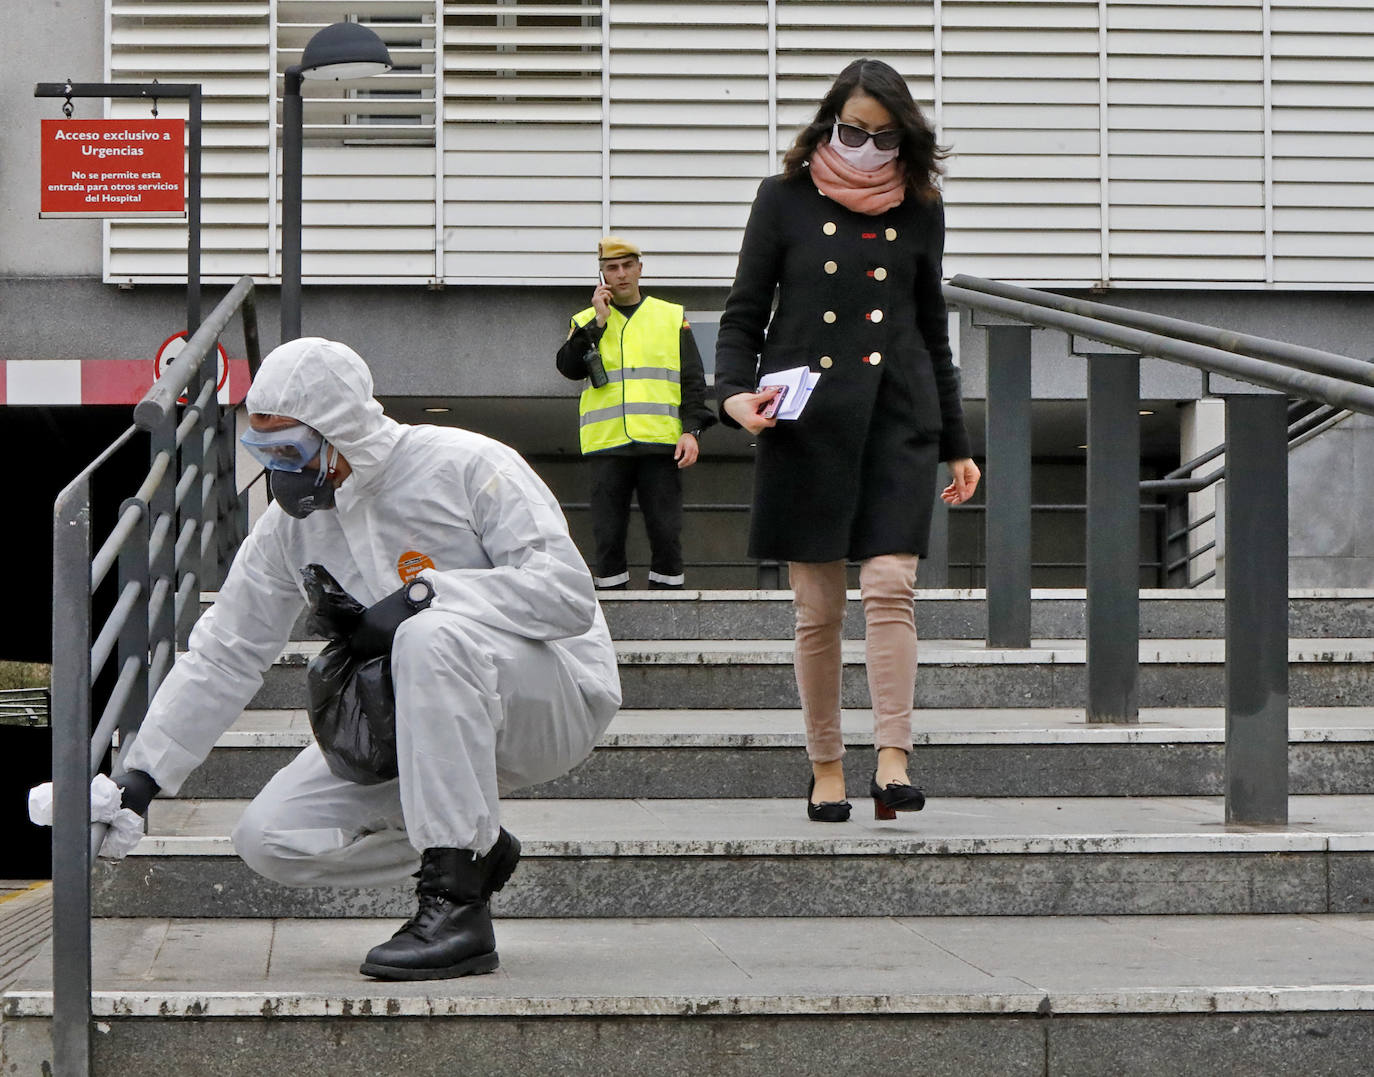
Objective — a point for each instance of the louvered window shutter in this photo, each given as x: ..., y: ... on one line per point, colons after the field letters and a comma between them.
x: 522, y: 139
x: 1020, y: 108
x: 226, y: 46
x: 369, y: 176
x: 688, y: 130
x: 1323, y: 142
x: 1154, y: 143
x: 1185, y: 116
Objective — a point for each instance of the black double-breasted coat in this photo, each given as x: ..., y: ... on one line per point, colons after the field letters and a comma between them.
x: 859, y: 300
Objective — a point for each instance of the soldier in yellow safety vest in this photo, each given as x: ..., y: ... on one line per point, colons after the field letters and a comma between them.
x: 640, y: 416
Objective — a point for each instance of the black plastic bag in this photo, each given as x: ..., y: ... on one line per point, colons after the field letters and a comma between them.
x: 352, y: 704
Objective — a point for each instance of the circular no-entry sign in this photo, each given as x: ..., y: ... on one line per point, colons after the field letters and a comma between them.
x: 172, y: 347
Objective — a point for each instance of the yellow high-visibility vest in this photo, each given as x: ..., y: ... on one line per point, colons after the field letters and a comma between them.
x: 643, y: 361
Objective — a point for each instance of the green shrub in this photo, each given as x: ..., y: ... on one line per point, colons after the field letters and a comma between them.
x: 24, y: 675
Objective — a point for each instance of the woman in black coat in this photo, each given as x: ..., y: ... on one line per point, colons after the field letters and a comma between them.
x: 851, y: 239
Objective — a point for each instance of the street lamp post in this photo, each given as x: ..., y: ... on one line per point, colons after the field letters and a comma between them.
x: 344, y: 50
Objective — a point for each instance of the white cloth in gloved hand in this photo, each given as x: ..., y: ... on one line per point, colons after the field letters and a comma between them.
x: 105, y: 798
x: 126, y: 831
x: 40, y: 804
x: 126, y: 826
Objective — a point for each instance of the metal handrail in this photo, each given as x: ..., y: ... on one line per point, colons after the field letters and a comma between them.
x: 172, y: 539
x: 1289, y: 356
x: 1256, y: 674
x: 1333, y: 389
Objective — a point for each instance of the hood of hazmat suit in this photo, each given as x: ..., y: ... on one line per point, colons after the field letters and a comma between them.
x: 462, y: 510
x: 327, y: 386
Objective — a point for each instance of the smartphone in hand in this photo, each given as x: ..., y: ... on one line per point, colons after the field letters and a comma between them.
x: 771, y: 408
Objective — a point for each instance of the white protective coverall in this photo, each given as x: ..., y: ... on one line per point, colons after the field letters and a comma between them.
x: 506, y: 680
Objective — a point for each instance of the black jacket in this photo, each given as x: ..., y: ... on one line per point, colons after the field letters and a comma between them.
x: 860, y: 300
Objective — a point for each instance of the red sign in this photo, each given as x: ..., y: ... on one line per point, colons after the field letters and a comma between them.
x: 113, y: 168
x: 170, y: 348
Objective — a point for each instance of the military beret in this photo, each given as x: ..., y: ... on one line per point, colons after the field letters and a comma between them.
x: 609, y: 247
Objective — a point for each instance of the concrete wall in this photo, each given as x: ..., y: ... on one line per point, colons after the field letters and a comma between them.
x: 59, y: 39
x: 1331, y: 506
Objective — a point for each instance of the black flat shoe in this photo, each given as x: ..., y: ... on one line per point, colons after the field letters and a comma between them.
x: 830, y: 811
x: 894, y: 798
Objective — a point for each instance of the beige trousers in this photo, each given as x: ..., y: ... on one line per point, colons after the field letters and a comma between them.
x: 887, y: 585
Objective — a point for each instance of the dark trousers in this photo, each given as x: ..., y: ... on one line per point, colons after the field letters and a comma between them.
x: 656, y: 480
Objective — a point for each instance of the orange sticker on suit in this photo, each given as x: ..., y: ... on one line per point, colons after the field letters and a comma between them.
x: 411, y: 564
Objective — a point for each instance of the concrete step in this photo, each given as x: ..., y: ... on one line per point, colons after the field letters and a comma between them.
x: 1056, y: 613
x: 704, y: 674
x: 969, y: 752
x: 1234, y: 996
x: 969, y: 856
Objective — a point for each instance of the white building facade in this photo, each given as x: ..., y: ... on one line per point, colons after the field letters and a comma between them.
x: 1095, y: 143
x: 1212, y: 161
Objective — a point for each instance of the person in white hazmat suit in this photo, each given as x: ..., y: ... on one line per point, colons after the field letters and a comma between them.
x: 504, y: 671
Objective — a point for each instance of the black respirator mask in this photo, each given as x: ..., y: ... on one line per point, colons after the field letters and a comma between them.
x: 299, y: 493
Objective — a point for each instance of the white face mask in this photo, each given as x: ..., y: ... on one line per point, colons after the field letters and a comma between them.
x: 866, y: 158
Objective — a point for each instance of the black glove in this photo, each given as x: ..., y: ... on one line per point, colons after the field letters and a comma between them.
x: 137, y: 789
x: 377, y: 626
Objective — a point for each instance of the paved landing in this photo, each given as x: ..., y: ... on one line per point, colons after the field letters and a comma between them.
x: 25, y: 924
x: 1144, y: 964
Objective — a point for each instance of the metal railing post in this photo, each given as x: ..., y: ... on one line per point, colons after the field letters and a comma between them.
x: 1008, y: 517
x: 162, y: 521
x: 190, y: 508
x: 1256, y: 609
x: 227, y: 537
x: 1113, y: 539
x: 207, y: 434
x: 133, y: 637
x: 71, y: 760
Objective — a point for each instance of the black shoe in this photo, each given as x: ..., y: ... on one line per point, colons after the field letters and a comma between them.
x: 450, y: 934
x: 829, y: 811
x: 659, y: 585
x: 895, y: 797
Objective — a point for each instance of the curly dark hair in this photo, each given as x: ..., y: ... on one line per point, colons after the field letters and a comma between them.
x: 919, y: 152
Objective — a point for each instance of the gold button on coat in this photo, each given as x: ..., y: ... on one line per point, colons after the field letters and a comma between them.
x: 827, y: 362
x: 875, y: 358
x: 891, y: 233
x: 831, y: 267
x: 828, y: 317
x: 876, y: 316
x: 880, y: 273
x: 828, y: 228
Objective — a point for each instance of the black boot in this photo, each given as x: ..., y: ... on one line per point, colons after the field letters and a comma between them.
x: 450, y: 934
x: 500, y: 862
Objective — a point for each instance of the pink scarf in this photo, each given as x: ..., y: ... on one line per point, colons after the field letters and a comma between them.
x: 864, y: 192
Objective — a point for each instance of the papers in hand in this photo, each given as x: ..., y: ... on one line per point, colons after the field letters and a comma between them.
x: 796, y: 384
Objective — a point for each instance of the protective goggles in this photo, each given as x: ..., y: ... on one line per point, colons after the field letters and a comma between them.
x: 288, y: 449
x: 854, y: 137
